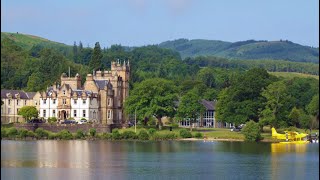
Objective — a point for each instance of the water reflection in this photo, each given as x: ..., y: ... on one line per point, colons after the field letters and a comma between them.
x: 80, y: 159
x: 289, y: 160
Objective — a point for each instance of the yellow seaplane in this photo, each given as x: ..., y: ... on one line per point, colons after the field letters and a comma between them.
x: 290, y: 137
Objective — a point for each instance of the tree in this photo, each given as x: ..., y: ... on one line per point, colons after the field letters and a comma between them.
x: 277, y: 105
x: 95, y: 62
x: 27, y: 112
x: 190, y: 106
x: 206, y: 75
x: 242, y: 101
x: 152, y: 97
x: 75, y: 52
x: 313, y: 106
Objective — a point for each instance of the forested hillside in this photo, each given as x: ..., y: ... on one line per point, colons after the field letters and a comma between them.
x: 244, y: 88
x: 250, y: 49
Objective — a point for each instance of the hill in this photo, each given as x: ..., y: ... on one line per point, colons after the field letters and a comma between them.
x: 291, y: 75
x: 250, y: 49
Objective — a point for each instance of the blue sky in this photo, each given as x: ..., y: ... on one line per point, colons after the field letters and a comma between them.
x: 144, y: 22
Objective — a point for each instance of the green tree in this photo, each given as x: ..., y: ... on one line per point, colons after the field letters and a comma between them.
x: 152, y: 97
x: 242, y: 101
x: 95, y: 62
x: 313, y: 106
x: 277, y: 105
x: 206, y: 75
x: 190, y: 107
x: 28, y: 112
x: 251, y: 131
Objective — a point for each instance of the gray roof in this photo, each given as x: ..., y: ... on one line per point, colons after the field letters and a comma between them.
x: 23, y: 95
x: 209, y: 105
x: 102, y: 83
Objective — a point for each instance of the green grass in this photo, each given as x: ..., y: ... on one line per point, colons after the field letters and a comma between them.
x: 290, y: 75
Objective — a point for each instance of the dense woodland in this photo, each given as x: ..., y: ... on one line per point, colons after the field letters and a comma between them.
x: 160, y: 78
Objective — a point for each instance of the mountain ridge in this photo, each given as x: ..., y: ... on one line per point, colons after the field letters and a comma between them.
x: 249, y: 49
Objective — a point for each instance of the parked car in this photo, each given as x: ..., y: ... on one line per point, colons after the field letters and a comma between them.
x: 35, y: 120
x: 237, y: 128
x: 83, y: 121
x: 69, y: 122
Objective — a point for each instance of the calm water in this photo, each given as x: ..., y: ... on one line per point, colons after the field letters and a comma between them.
x: 80, y: 159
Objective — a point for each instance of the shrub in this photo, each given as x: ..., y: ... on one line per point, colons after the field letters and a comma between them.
x: 4, y: 132
x: 92, y: 132
x: 12, y: 132
x: 41, y: 133
x: 151, y: 131
x: 52, y: 135
x: 64, y: 134
x: 106, y: 136
x: 164, y: 136
x: 31, y: 134
x: 79, y: 134
x: 22, y: 133
x: 143, y: 135
x: 251, y: 131
x: 292, y: 128
x: 152, y: 122
x: 116, y: 134
x: 175, y: 125
x: 185, y: 134
x: 198, y: 135
x: 52, y: 120
x: 129, y: 135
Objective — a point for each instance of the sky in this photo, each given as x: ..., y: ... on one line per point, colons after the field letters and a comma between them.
x: 146, y: 22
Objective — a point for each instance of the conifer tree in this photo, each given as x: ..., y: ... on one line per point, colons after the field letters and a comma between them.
x: 95, y: 62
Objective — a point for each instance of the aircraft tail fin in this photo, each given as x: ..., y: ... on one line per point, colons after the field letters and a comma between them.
x: 274, y: 132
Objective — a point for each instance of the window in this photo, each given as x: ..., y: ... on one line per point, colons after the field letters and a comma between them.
x: 18, y: 110
x: 9, y: 110
x: 109, y: 101
x: 54, y: 101
x: 84, y: 113
x: 44, y: 113
x: 17, y: 102
x: 109, y: 114
x: 64, y: 101
x: 74, y: 113
x: 54, y: 113
x: 9, y: 102
x: 84, y: 101
x: 44, y: 101
x: 25, y: 102
x: 94, y: 114
x: 64, y: 92
x: 75, y: 101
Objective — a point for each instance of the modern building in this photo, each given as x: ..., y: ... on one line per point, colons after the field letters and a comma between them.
x: 207, y: 119
x: 13, y: 100
x: 99, y: 100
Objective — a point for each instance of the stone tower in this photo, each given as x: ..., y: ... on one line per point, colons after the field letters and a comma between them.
x: 74, y: 82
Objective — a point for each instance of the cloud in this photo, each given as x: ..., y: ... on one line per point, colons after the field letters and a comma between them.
x: 178, y: 7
